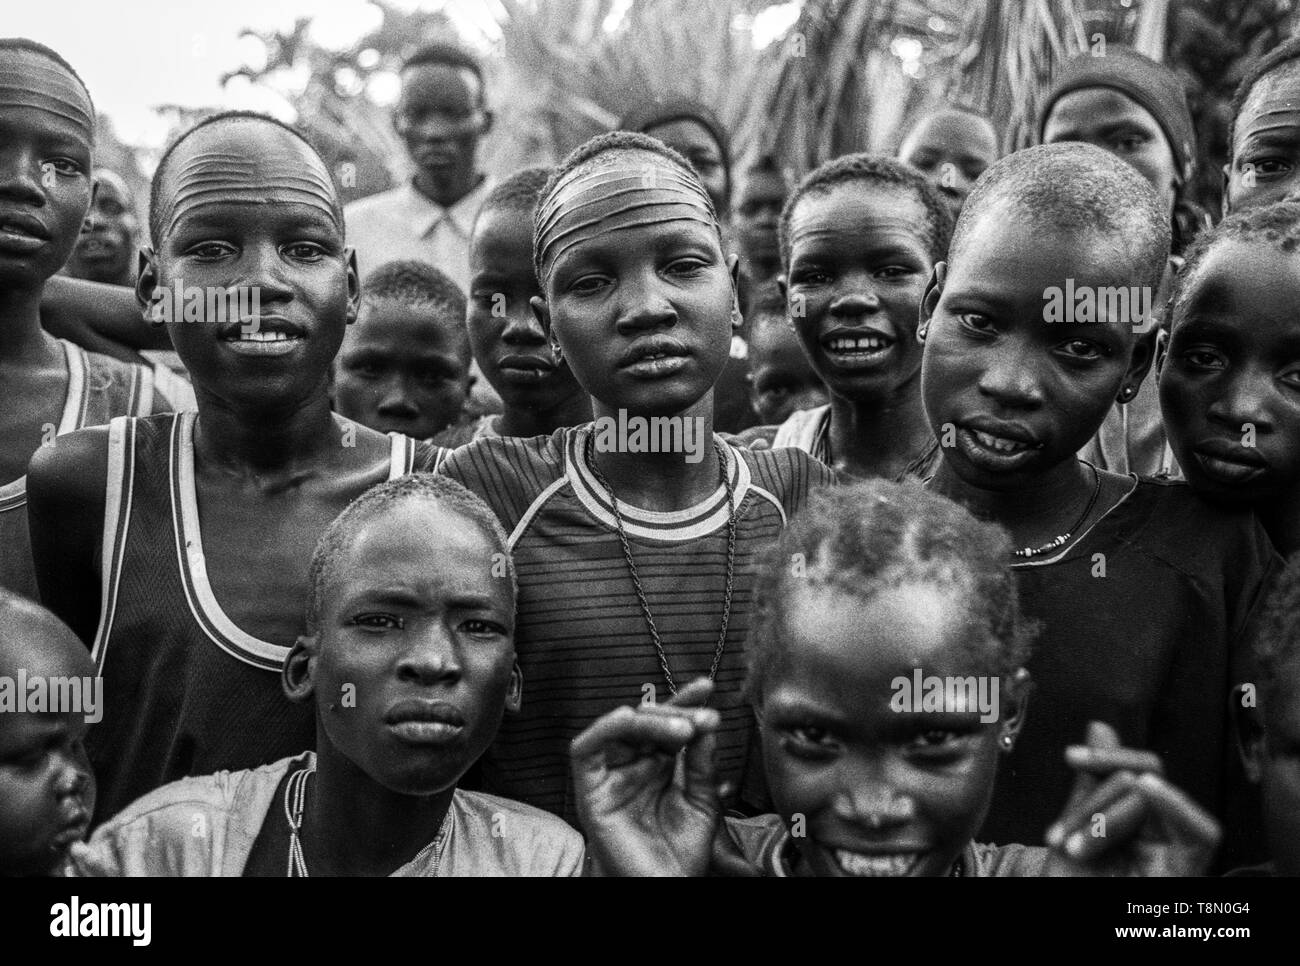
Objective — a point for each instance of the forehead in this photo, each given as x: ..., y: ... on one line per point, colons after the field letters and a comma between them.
x: 405, y: 326
x: 765, y: 184
x: 1278, y: 91
x: 112, y: 187
x: 31, y: 80
x: 438, y: 83
x: 863, y: 205
x: 1093, y: 106
x: 956, y: 128
x: 503, y: 232
x: 1250, y: 282
x: 417, y: 543
x: 854, y: 647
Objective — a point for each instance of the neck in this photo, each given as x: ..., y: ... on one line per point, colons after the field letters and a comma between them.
x: 445, y: 191
x: 1034, y: 512
x: 875, y: 438
x: 1281, y: 519
x: 573, y: 410
x: 661, y: 481
x: 341, y: 798
x: 22, y: 339
x: 265, y: 439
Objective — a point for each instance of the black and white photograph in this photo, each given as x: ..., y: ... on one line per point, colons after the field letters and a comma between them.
x: 651, y: 438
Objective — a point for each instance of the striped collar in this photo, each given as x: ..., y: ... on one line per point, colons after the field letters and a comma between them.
x: 14, y: 493
x: 202, y: 601
x: 666, y: 526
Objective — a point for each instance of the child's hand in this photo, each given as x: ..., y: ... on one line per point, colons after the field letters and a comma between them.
x: 648, y: 808
x: 1124, y: 819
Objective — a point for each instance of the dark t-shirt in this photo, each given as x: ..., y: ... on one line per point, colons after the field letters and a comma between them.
x: 1143, y: 626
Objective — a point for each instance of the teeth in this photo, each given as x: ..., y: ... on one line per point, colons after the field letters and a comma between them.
x: 855, y: 863
x: 865, y: 343
x: 263, y: 336
x: 999, y: 444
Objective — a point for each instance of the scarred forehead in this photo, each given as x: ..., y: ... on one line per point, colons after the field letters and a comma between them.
x: 243, y: 161
x: 30, y: 79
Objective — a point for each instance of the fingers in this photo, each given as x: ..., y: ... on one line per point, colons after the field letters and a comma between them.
x: 1105, y: 761
x: 1112, y: 813
x: 1181, y: 817
x: 694, y: 694
x: 628, y: 732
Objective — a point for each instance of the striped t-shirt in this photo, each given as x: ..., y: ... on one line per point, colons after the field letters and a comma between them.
x: 583, y: 644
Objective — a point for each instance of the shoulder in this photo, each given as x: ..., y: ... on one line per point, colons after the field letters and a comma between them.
x: 1003, y: 861
x: 528, y: 840
x: 507, y: 465
x: 787, y: 474
x: 71, y: 468
x: 1174, y: 524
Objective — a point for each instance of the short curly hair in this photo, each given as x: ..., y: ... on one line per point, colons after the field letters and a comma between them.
x: 1075, y: 187
x: 413, y: 282
x: 441, y: 491
x: 1277, y: 224
x: 875, y: 535
x: 872, y: 170
x: 592, y: 154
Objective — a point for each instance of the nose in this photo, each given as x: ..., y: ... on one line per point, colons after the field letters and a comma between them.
x: 523, y: 329
x: 396, y: 398
x: 1010, y: 377
x: 859, y: 299
x: 431, y: 656
x: 263, y: 270
x: 1243, y: 400
x: 20, y: 175
x: 868, y: 798
x: 643, y: 303
x: 73, y: 776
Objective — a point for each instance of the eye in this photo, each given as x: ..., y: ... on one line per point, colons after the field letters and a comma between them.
x: 1202, y: 357
x: 810, y: 276
x: 1082, y: 350
x: 1291, y: 379
x: 686, y: 266
x: 807, y: 741
x: 936, y: 742
x: 1268, y: 166
x: 587, y: 284
x: 304, y: 251
x: 894, y: 271
x: 484, y: 628
x: 210, y: 250
x: 1128, y: 142
x: 65, y: 165
x: 977, y: 323
x: 379, y: 622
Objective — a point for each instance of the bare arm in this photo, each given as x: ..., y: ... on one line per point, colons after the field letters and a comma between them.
x: 65, y: 514
x: 102, y: 318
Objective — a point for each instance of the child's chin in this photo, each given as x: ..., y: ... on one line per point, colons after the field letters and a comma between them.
x: 421, y: 778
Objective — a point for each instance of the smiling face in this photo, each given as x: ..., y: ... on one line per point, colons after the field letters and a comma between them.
x: 695, y: 142
x: 508, y: 342
x: 47, y: 790
x: 858, y: 268
x: 46, y: 133
x: 1023, y: 394
x: 105, y: 251
x: 401, y: 371
x: 420, y: 627
x: 1265, y: 163
x: 643, y: 309
x: 1230, y: 386
x: 881, y: 791
x: 440, y: 117
x: 249, y: 210
x: 1114, y: 122
x: 951, y: 149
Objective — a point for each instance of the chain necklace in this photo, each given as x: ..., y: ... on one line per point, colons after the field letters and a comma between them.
x: 295, y: 792
x: 636, y: 579
x: 1061, y: 539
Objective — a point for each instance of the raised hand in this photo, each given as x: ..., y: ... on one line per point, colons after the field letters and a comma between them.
x: 645, y: 781
x: 1124, y: 819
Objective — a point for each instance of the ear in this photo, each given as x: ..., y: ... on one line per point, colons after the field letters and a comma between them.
x: 488, y: 120
x: 1248, y: 733
x: 296, y: 674
x: 146, y: 283
x: 542, y: 313
x: 737, y: 281
x: 354, y: 286
x: 1227, y: 180
x: 1144, y: 354
x: 930, y: 298
x: 1015, y: 708
x: 783, y: 286
x: 515, y: 691
x: 89, y: 220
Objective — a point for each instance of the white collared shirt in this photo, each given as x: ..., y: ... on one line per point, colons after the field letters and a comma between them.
x: 403, y: 223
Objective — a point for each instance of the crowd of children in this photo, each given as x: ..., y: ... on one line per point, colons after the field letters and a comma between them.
x: 863, y: 532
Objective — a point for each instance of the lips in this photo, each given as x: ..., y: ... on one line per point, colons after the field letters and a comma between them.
x: 522, y: 367
x: 996, y: 444
x: 21, y: 233
x: 266, y: 335
x: 856, y: 348
x: 654, y: 357
x: 73, y: 830
x: 424, y: 722
x: 1229, y: 462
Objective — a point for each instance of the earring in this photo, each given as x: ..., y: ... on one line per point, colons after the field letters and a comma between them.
x: 1007, y: 741
x: 1126, y: 393
x: 921, y: 330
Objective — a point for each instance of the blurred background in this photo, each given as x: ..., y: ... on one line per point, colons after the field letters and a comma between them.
x: 805, y: 80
